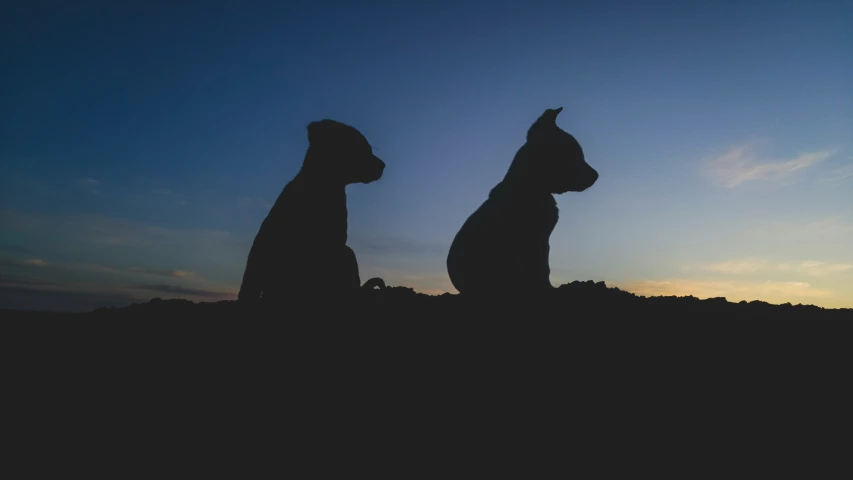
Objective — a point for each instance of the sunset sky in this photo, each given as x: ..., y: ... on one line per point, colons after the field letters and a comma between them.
x: 141, y: 146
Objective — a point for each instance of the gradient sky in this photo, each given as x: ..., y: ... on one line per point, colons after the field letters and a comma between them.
x: 142, y: 145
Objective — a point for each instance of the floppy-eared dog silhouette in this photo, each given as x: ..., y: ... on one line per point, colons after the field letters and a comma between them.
x: 502, y: 248
x: 300, y: 251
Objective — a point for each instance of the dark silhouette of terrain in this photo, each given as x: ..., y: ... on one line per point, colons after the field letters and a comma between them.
x: 302, y: 241
x: 576, y: 302
x: 503, y: 247
x: 588, y: 366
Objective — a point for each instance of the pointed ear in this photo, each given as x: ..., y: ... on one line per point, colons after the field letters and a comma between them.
x: 550, y: 115
x: 545, y: 121
x: 549, y: 118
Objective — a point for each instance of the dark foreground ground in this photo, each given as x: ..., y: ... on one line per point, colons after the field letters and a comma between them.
x: 590, y: 372
x: 572, y: 302
x: 586, y: 320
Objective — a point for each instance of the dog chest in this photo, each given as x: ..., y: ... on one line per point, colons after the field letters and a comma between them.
x: 500, y: 227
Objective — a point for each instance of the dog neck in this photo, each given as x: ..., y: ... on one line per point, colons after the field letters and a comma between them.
x: 326, y: 204
x: 518, y: 185
x: 316, y: 175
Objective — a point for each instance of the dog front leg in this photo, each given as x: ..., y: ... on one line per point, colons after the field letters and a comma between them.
x: 351, y: 264
x: 543, y: 272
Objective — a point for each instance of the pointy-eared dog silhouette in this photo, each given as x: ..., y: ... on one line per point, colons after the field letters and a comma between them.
x: 300, y: 251
x: 502, y: 248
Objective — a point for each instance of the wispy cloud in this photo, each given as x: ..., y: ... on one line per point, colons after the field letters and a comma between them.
x: 99, y: 230
x: 822, y: 269
x: 91, y: 268
x: 742, y: 164
x: 162, y: 272
x: 811, y: 268
x: 27, y: 262
x: 37, y: 293
x: 175, y: 290
x: 749, y: 265
x: 769, y: 291
x: 107, y: 270
x: 201, y: 260
x: 824, y: 228
x: 96, y: 268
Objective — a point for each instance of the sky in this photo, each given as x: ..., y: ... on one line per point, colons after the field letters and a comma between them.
x: 142, y: 144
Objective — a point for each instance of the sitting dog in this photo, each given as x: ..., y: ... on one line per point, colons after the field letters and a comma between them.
x: 300, y: 251
x: 502, y: 249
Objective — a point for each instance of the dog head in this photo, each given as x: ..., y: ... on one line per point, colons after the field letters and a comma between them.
x: 556, y: 160
x: 340, y: 154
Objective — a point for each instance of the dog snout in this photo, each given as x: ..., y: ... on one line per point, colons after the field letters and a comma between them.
x: 374, y: 170
x: 593, y: 176
x: 585, y: 178
x: 379, y: 165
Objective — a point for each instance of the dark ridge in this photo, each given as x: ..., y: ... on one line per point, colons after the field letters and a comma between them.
x: 575, y: 301
x: 590, y: 355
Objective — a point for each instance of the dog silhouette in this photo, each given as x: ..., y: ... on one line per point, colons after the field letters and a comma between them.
x: 300, y: 251
x: 503, y: 247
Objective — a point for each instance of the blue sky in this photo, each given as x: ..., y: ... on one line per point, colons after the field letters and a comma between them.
x: 142, y: 146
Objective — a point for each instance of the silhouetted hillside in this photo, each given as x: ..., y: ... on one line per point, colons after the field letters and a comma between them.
x: 592, y: 354
x: 573, y: 301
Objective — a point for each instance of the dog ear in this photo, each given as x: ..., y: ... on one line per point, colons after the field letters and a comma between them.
x: 549, y: 118
x: 545, y: 122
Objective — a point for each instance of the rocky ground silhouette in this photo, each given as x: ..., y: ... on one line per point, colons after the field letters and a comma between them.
x: 575, y: 301
x: 593, y: 356
x: 579, y: 319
